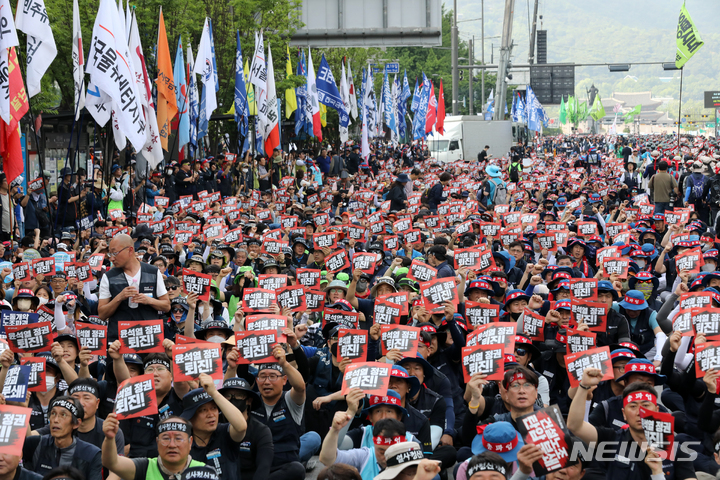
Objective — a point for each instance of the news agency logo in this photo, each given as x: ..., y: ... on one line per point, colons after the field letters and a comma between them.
x: 626, y: 452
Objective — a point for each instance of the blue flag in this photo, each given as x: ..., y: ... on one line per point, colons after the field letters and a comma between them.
x: 193, y: 105
x: 241, y: 101
x: 521, y: 110
x: 202, y: 117
x: 259, y: 143
x: 402, y: 107
x: 328, y: 93
x: 532, y: 111
x: 387, y: 102
x: 421, y: 112
x: 406, y: 89
x: 181, y: 95
x: 300, y: 94
x: 416, y: 97
x: 513, y: 109
x: 361, y: 98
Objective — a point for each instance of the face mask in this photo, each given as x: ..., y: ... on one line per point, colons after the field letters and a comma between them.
x: 43, y: 301
x: 168, y: 171
x: 333, y: 349
x: 708, y: 267
x: 201, y: 310
x: 239, y: 404
x: 648, y: 241
x: 645, y: 287
x: 215, y: 339
x: 515, y: 316
x: 49, y: 382
x: 24, y: 304
x: 640, y: 263
x: 245, y: 170
x: 71, y: 307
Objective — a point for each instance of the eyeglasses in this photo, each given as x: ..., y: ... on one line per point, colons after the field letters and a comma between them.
x: 337, y: 290
x: 520, y: 352
x: 156, y: 368
x: 115, y: 254
x: 179, y: 439
x: 523, y: 386
x: 175, y: 287
x: 268, y: 378
x: 230, y: 396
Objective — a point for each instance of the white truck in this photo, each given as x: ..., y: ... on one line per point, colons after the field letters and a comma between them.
x: 465, y: 136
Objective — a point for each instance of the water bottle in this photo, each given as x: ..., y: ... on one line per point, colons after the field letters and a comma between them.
x: 131, y: 304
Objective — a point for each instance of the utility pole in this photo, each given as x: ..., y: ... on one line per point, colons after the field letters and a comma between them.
x: 482, y: 72
x: 531, y: 54
x: 471, y: 57
x: 505, y: 48
x: 454, y: 59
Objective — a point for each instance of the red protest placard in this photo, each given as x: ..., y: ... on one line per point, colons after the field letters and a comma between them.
x: 92, y: 336
x: 497, y: 332
x: 486, y: 359
x: 584, y: 288
x: 616, y: 266
x: 35, y: 185
x: 390, y: 243
x: 578, y: 341
x: 707, y: 357
x: 315, y: 300
x: 96, y: 261
x: 141, y: 336
x: 136, y: 397
x: 83, y: 272
x: 659, y: 428
x: 346, y: 319
x: 292, y: 298
x: 533, y: 325
x: 546, y: 429
x: 401, y: 299
x: 182, y: 339
x: 192, y: 359
x: 421, y: 272
x: 321, y: 219
x: 599, y: 358
x: 22, y: 271
x: 587, y: 229
x: 15, y: 421
x: 31, y: 338
x: 197, y: 283
x: 706, y: 320
x: 695, y: 300
x: 594, y: 314
x: 481, y: 313
x: 469, y: 257
x: 308, y: 277
x: 325, y: 240
x: 43, y: 266
x: 256, y: 346
x: 387, y: 312
x: 691, y: 259
x: 400, y: 337
x: 257, y: 300
x: 365, y: 262
x: 273, y: 247
x: 548, y: 241
x: 268, y: 322
x: 37, y: 373
x: 371, y: 377
x: 438, y: 291
x: 272, y: 281
x: 337, y: 261
x: 352, y: 344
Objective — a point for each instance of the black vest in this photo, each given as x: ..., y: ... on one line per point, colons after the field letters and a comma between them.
x: 117, y: 282
x: 285, y: 432
x: 140, y: 432
x: 221, y: 452
x: 44, y: 458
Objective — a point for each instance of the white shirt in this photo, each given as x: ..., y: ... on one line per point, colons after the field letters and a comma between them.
x: 160, y: 289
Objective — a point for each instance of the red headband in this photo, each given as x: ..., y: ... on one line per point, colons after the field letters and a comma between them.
x: 516, y: 376
x: 380, y: 440
x: 384, y: 400
x: 500, y: 447
x: 640, y: 397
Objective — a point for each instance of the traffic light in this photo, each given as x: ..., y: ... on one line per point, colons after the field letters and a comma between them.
x: 462, y: 75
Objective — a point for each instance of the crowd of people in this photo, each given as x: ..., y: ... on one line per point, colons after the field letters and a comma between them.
x: 650, y: 200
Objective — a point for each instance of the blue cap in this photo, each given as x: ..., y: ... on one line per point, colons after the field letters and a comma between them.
x: 634, y: 300
x: 392, y: 399
x: 400, y: 372
x: 643, y: 366
x: 498, y: 437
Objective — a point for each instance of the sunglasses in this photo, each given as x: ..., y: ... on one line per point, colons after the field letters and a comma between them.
x: 174, y: 287
x: 177, y: 310
x: 520, y: 352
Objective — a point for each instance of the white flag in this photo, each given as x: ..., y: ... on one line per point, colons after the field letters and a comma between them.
x: 204, y: 68
x: 313, y: 94
x: 365, y: 141
x: 272, y: 110
x: 32, y: 18
x: 110, y: 70
x: 351, y: 93
x: 7, y: 39
x: 98, y: 103
x: 78, y: 62
x: 152, y: 150
x: 345, y: 96
x: 258, y: 77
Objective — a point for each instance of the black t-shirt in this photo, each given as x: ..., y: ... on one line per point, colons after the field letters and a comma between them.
x: 256, y: 451
x: 221, y: 453
x: 181, y: 186
x: 482, y: 156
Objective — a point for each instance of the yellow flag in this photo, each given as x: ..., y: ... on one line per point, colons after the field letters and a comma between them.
x: 252, y: 106
x: 290, y: 98
x: 323, y: 115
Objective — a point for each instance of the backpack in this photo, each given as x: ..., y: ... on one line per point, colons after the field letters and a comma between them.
x: 514, y: 172
x: 498, y: 193
x: 696, y: 191
x: 714, y: 193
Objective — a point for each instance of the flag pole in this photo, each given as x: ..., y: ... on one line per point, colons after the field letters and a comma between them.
x: 680, y: 109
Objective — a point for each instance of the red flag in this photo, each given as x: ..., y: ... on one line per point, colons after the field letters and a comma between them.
x: 440, y: 122
x: 432, y: 110
x: 10, y: 142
